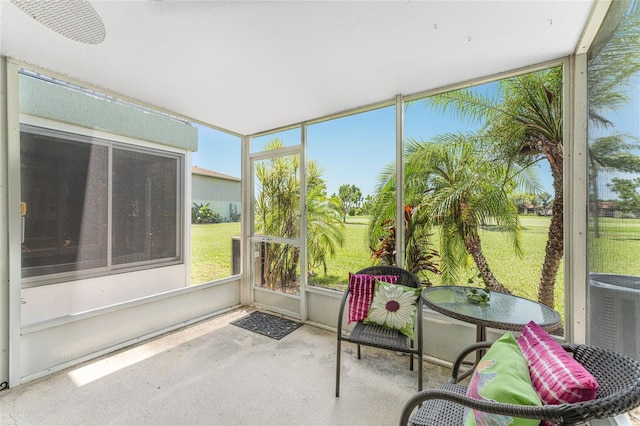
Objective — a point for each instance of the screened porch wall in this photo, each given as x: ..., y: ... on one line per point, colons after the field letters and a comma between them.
x: 99, y: 331
x: 614, y: 183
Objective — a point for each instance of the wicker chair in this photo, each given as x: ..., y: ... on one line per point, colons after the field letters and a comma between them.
x: 619, y: 392
x: 379, y: 336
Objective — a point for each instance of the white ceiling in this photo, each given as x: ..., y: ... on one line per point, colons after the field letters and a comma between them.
x: 253, y: 66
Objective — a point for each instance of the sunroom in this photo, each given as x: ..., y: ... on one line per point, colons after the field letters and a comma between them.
x: 108, y: 107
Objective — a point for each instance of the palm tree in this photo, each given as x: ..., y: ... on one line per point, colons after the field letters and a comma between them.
x: 325, y: 229
x: 458, y: 187
x: 419, y: 256
x: 523, y: 116
x: 614, y: 153
x: 277, y: 211
x: 612, y: 62
x: 613, y: 59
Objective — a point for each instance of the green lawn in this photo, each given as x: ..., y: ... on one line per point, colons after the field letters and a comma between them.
x: 211, y: 251
x: 354, y: 256
x: 211, y: 254
x: 519, y: 275
x: 619, y: 236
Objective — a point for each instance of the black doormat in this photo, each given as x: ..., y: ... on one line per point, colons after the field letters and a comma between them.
x: 267, y: 324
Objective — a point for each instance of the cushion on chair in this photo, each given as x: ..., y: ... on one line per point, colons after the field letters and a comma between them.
x: 394, y: 306
x: 361, y: 288
x: 557, y: 377
x: 502, y: 376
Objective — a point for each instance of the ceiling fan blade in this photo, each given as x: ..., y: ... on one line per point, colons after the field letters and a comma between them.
x: 75, y: 19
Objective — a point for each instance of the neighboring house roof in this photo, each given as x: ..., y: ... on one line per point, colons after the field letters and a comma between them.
x: 204, y: 172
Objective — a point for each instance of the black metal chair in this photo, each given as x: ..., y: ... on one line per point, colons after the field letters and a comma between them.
x: 618, y: 377
x: 379, y: 336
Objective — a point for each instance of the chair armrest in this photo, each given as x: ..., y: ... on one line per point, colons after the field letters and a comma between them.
x: 548, y: 412
x: 419, y: 398
x: 480, y: 346
x: 618, y: 375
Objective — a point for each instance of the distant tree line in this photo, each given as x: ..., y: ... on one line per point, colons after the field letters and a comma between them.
x: 530, y: 203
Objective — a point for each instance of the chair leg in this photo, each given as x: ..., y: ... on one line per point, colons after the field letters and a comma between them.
x: 358, y: 351
x: 420, y: 361
x: 338, y: 370
x: 411, y: 358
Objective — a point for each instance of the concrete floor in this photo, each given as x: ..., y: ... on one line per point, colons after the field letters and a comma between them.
x: 214, y: 373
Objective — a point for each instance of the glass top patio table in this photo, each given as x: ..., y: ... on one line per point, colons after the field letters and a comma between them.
x: 503, y: 311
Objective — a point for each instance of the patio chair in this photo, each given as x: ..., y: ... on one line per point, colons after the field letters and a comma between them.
x: 378, y: 336
x: 618, y: 377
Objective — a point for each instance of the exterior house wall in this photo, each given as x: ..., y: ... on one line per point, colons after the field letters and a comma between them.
x: 221, y: 192
x: 71, y: 297
x: 43, y: 99
x: 71, y: 320
x: 52, y: 105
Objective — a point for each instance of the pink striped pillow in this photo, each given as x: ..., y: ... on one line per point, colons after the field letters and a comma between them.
x: 557, y: 377
x: 361, y: 288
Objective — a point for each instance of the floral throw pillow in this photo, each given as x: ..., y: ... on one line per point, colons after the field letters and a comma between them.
x: 361, y: 288
x: 394, y: 306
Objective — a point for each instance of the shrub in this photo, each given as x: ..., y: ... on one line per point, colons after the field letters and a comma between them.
x: 202, y: 213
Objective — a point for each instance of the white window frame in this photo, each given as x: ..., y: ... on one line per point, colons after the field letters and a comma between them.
x: 112, y: 141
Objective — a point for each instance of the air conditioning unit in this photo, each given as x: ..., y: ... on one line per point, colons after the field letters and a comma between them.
x: 614, y: 303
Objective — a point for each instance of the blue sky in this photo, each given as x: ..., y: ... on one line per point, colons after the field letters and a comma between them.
x: 218, y: 151
x: 351, y: 150
x: 626, y: 122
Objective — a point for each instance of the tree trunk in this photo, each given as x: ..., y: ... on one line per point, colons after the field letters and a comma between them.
x: 474, y: 247
x: 267, y: 269
x: 555, y: 241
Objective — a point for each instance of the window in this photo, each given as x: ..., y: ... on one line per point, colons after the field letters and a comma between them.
x: 93, y: 206
x: 480, y: 166
x: 216, y: 206
x: 145, y: 214
x: 347, y: 159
